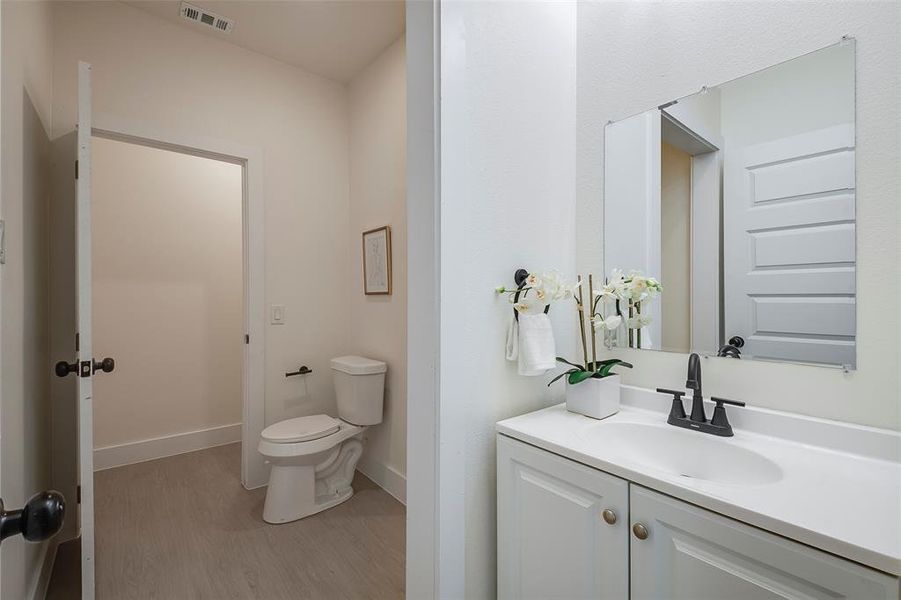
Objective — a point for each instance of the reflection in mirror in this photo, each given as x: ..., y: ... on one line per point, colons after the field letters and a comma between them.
x: 740, y: 200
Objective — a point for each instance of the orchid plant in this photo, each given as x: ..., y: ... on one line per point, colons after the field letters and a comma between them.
x: 605, y: 307
x: 593, y: 369
x: 632, y: 291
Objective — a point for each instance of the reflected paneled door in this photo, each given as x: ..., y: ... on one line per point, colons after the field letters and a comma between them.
x: 789, y: 247
x: 555, y: 539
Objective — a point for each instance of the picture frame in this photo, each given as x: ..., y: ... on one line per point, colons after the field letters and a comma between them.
x: 377, y: 261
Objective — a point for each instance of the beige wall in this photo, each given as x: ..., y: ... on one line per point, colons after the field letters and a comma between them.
x: 675, y: 246
x: 167, y: 275
x: 634, y: 56
x: 164, y: 77
x: 25, y: 365
x: 377, y: 99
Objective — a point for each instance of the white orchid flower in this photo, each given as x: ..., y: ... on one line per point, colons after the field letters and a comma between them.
x: 610, y: 323
x: 639, y: 321
x: 554, y: 286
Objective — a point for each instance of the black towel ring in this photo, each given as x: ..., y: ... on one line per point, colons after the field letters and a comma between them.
x: 520, y: 278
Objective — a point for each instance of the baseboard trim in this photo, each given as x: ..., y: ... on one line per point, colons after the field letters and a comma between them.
x: 161, y: 447
x: 42, y: 581
x: 386, y: 477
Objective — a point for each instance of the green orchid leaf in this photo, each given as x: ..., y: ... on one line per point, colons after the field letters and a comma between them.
x: 563, y: 360
x: 564, y: 374
x: 579, y: 377
x: 605, y: 370
x: 609, y: 361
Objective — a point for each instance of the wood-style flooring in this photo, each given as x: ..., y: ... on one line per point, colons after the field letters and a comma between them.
x: 184, y: 528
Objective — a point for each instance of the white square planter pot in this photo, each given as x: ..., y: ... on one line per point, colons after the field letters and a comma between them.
x: 595, y: 398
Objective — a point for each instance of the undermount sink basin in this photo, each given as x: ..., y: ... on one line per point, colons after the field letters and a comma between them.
x: 682, y: 452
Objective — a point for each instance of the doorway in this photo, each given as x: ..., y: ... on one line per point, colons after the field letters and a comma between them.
x: 167, y: 301
x: 213, y: 158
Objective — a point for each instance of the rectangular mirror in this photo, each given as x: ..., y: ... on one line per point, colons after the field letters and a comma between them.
x: 740, y: 201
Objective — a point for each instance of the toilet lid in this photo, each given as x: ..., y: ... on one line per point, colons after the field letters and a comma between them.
x: 301, y: 429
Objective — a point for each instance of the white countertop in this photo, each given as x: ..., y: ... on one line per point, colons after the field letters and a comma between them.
x: 840, y: 489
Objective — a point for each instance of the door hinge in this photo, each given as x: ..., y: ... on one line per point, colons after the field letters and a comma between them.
x: 78, y: 495
x: 246, y: 338
x: 76, y: 169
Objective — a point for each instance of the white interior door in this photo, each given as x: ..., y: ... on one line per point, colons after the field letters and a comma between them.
x: 789, y: 247
x: 85, y: 357
x: 632, y: 202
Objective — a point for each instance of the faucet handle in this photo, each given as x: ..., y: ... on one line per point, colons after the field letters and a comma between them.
x: 721, y: 401
x: 677, y: 411
x: 719, y: 414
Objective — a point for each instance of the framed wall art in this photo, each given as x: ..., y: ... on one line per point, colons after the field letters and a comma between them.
x: 377, y: 261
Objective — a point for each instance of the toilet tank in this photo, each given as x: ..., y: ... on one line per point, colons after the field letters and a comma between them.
x: 360, y: 389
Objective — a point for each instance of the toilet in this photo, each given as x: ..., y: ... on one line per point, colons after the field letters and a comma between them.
x: 313, y: 458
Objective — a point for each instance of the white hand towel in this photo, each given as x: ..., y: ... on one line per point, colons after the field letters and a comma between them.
x: 513, y: 339
x: 536, y: 349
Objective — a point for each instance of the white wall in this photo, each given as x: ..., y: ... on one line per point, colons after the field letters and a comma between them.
x: 167, y: 294
x: 167, y: 78
x: 635, y: 56
x: 808, y: 93
x: 507, y: 201
x: 25, y: 366
x: 378, y: 326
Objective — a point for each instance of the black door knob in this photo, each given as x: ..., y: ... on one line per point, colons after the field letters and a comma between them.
x: 63, y: 368
x: 737, y: 341
x: 106, y: 365
x: 40, y: 519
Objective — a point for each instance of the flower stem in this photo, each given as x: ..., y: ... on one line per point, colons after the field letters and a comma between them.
x: 594, y: 351
x: 638, y: 311
x: 579, y: 307
x: 629, y: 326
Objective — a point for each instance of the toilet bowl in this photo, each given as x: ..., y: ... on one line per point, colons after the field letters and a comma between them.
x: 313, y: 458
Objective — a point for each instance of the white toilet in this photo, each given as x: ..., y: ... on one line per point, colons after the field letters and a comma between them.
x: 313, y: 458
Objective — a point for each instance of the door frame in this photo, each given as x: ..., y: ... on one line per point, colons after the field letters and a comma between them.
x: 254, y: 473
x: 435, y: 560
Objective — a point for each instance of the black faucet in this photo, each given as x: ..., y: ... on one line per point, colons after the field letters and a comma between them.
x: 693, y: 382
x: 718, y: 425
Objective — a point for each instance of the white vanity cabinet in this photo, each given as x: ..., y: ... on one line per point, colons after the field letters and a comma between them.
x: 553, y: 539
x: 692, y: 553
x: 554, y: 542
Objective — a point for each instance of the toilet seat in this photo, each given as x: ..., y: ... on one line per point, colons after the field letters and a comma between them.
x: 301, y: 429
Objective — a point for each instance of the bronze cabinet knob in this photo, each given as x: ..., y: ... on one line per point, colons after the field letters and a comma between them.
x: 640, y: 531
x: 609, y: 516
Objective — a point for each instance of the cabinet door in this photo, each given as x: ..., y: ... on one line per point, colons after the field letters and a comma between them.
x: 694, y: 554
x: 553, y: 541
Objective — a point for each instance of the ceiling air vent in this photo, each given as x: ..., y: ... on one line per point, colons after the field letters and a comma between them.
x: 205, y: 17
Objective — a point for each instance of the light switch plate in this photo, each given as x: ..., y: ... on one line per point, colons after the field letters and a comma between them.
x: 277, y: 315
